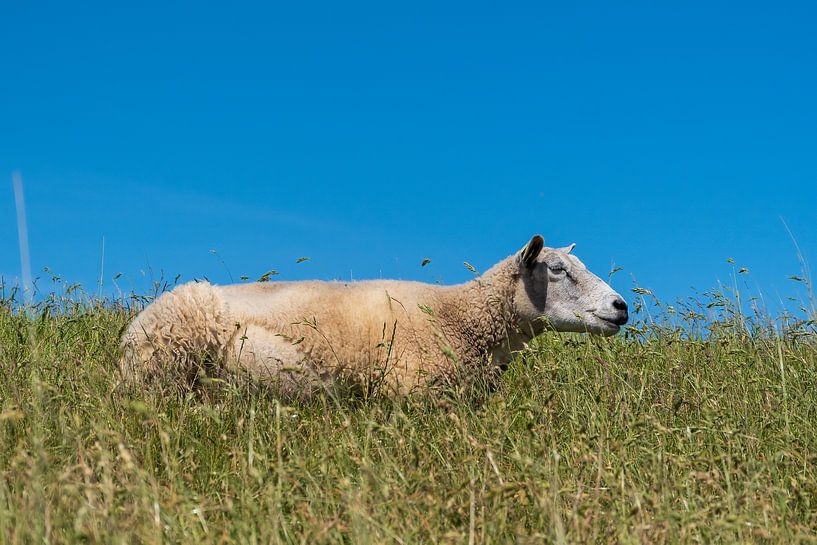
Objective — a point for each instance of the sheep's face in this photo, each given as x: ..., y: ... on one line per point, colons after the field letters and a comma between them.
x: 557, y: 292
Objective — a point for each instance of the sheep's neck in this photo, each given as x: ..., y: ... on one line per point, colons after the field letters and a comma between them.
x: 488, y: 319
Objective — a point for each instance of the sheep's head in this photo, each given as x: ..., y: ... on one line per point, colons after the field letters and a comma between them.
x: 556, y: 291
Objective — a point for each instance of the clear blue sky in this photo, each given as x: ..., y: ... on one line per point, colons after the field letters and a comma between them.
x: 666, y: 137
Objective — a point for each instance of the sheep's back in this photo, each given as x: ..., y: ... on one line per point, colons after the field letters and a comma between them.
x: 357, y: 326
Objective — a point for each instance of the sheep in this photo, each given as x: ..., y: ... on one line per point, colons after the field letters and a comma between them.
x: 397, y: 336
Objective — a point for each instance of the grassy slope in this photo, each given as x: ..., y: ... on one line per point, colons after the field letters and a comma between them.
x: 588, y: 440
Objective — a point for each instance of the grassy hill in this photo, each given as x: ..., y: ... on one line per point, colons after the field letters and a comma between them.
x: 692, y: 428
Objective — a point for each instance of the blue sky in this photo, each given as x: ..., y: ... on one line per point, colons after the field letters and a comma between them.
x: 664, y: 137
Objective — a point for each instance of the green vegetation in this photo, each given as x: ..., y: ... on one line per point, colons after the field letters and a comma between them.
x: 688, y: 429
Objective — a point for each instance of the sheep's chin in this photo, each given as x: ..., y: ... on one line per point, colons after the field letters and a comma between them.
x: 589, y: 323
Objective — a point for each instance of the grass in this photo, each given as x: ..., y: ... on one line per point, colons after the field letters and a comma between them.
x: 692, y: 428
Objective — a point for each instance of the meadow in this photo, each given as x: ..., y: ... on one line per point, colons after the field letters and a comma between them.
x: 698, y: 424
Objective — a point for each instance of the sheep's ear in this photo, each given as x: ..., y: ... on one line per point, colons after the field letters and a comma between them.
x: 531, y: 251
x: 568, y: 249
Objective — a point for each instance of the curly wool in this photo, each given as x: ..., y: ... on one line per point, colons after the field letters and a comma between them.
x: 179, y: 329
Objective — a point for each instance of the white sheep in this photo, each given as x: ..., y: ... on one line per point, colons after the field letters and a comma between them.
x: 394, y: 335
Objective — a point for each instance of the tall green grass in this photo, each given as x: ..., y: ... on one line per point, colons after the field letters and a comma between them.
x: 699, y: 425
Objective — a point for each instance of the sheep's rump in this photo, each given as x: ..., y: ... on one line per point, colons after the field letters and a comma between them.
x: 180, y: 329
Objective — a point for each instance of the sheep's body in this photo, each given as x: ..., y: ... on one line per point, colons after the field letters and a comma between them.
x: 312, y: 335
x: 390, y: 335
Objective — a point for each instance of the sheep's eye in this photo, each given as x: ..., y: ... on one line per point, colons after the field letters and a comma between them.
x: 556, y: 269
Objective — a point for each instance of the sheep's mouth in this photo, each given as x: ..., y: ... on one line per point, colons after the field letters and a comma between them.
x: 612, y: 324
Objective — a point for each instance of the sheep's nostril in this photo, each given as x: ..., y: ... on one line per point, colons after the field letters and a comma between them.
x: 619, y: 304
